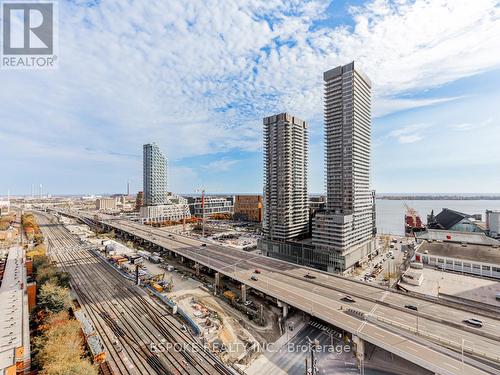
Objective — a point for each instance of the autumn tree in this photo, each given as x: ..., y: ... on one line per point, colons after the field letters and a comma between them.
x: 59, y: 349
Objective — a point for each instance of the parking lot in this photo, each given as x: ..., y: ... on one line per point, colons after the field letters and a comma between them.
x: 455, y: 284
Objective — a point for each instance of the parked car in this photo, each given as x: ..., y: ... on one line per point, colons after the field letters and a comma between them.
x: 412, y: 307
x: 348, y: 299
x: 474, y: 322
x: 248, y: 303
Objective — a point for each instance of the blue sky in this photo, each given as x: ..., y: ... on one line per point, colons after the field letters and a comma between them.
x: 198, y: 76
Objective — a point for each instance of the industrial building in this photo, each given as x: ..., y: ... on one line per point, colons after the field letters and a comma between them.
x: 479, y: 260
x: 473, y: 238
x: 15, y: 295
x: 210, y: 206
x: 493, y: 223
x: 154, y: 175
x: 452, y: 220
x: 344, y: 231
x: 105, y: 204
x: 248, y: 207
x: 286, y: 211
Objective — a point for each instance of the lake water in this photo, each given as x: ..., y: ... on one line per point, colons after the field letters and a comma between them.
x: 391, y: 213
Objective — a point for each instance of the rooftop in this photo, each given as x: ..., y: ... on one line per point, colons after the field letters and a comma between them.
x: 471, y: 252
x: 476, y: 238
x: 12, y: 307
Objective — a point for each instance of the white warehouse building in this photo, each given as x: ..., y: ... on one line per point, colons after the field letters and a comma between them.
x: 480, y: 260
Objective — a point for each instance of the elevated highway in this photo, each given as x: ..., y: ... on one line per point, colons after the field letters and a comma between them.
x: 433, y: 337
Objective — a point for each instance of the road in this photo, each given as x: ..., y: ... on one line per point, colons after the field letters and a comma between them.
x: 417, y: 336
x: 127, y: 319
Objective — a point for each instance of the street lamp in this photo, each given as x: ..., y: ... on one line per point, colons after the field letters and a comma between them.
x: 463, y: 344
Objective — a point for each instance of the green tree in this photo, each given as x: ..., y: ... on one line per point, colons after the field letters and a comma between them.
x: 54, y: 298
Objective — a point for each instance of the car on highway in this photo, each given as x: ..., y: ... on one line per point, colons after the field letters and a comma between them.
x: 204, y: 244
x: 257, y: 271
x: 474, y: 322
x: 348, y: 299
x: 309, y: 276
x: 412, y: 307
x: 254, y: 278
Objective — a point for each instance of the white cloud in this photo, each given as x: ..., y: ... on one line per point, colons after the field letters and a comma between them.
x: 409, y: 133
x: 197, y: 77
x: 386, y: 106
x: 467, y: 126
x: 222, y: 165
x: 410, y: 138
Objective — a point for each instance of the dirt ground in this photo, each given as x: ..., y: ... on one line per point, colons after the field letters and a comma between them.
x: 226, y: 325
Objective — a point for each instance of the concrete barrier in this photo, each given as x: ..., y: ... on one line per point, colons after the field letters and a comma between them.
x: 474, y: 304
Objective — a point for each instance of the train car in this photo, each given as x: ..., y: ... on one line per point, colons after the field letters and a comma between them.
x: 92, y: 338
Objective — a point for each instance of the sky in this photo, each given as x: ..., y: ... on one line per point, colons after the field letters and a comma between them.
x: 197, y: 77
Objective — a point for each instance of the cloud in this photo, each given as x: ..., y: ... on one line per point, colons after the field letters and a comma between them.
x: 222, y: 165
x: 467, y: 126
x: 385, y: 106
x: 197, y: 77
x: 410, y: 133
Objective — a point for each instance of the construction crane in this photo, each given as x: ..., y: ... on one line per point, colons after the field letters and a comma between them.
x: 202, y: 210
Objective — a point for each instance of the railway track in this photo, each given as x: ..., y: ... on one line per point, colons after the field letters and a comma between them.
x: 130, y: 323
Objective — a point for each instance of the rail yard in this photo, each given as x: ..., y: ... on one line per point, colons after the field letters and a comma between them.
x: 132, y: 326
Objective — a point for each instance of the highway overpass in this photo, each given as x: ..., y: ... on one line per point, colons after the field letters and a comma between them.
x: 377, y: 316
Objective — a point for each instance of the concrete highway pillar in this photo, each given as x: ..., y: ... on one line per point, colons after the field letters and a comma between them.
x: 182, y: 259
x: 197, y: 268
x: 243, y: 292
x: 359, y: 349
x: 284, y: 306
x: 217, y: 279
x: 285, y: 311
